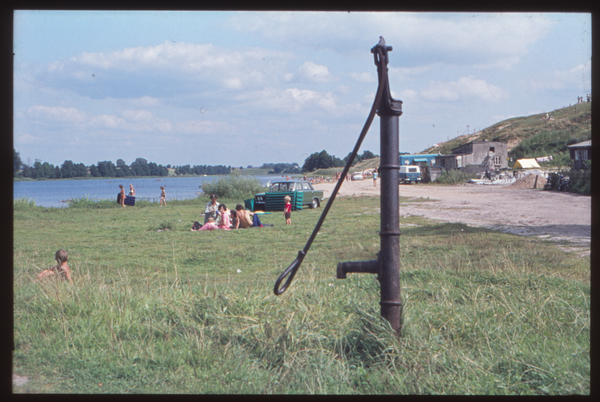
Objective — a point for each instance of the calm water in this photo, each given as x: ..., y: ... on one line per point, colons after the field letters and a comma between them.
x: 51, y: 193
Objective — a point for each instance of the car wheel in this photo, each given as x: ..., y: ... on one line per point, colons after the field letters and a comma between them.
x: 314, y: 204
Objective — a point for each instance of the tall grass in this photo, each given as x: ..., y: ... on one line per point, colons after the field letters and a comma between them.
x: 234, y: 186
x: 193, y: 312
x: 23, y: 203
x: 453, y: 177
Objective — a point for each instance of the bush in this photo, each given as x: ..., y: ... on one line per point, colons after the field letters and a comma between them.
x: 580, y: 182
x: 454, y: 177
x: 23, y: 204
x: 234, y: 186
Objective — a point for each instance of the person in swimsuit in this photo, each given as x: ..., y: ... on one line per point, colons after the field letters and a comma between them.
x: 163, y: 196
x: 62, y: 269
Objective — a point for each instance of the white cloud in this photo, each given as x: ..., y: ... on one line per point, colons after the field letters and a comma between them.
x: 466, y: 38
x: 152, y: 71
x: 344, y: 89
x: 26, y: 138
x: 145, y: 101
x: 465, y: 87
x: 315, y: 72
x: 579, y: 78
x: 202, y: 127
x: 291, y: 100
x: 363, y: 77
x: 68, y: 117
x: 406, y: 95
x: 56, y: 114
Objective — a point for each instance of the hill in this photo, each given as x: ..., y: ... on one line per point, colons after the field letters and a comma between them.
x: 533, y: 136
x: 527, y: 137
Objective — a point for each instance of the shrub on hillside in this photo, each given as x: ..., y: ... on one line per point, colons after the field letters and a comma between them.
x: 454, y: 177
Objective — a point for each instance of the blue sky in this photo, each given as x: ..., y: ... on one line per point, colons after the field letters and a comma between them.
x: 247, y: 88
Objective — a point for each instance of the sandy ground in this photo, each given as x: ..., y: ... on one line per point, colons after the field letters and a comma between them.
x: 557, y: 216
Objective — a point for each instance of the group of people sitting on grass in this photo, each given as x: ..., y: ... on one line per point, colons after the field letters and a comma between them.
x: 218, y: 216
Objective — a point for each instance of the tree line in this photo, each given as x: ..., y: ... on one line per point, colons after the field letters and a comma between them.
x: 140, y: 167
x: 276, y: 168
x: 322, y: 160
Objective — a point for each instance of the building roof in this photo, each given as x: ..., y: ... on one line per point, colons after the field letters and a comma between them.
x: 581, y: 144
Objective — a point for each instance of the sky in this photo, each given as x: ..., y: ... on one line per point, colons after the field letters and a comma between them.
x: 247, y: 88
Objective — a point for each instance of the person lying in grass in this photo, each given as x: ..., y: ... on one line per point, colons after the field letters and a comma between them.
x: 62, y: 269
x: 210, y: 225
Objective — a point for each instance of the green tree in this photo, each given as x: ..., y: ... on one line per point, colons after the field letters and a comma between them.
x: 67, y: 169
x: 154, y: 171
x: 123, y: 168
x: 94, y: 171
x: 28, y: 171
x: 318, y: 160
x: 48, y: 169
x: 38, y: 170
x: 17, y: 163
x: 80, y: 170
x: 106, y: 169
x: 368, y: 155
x: 140, y: 167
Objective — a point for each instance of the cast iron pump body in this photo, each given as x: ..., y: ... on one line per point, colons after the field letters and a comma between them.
x: 387, y: 264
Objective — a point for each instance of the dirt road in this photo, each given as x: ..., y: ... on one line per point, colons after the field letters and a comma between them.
x: 551, y: 215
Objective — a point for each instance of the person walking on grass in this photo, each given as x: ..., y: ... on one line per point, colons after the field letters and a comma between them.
x: 375, y: 177
x: 62, y: 269
x: 287, y: 210
x: 163, y: 196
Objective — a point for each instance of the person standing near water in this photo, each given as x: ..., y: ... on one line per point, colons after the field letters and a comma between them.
x: 163, y: 196
x: 121, y: 197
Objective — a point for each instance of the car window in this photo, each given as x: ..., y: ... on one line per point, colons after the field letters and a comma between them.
x: 412, y: 170
x: 306, y: 186
x: 274, y: 187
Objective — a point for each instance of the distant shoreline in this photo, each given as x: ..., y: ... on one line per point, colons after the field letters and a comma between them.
x: 22, y: 179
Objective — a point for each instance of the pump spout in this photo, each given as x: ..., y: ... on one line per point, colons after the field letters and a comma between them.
x: 367, y: 267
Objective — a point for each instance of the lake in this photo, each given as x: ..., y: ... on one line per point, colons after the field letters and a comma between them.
x: 53, y: 193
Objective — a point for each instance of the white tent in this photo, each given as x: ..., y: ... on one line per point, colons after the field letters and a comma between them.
x: 526, y: 164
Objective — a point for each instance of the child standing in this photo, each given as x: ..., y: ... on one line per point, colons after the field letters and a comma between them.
x: 62, y: 269
x: 163, y: 196
x: 287, y: 210
x: 121, y: 197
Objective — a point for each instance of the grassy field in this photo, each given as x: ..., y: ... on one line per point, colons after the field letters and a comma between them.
x: 176, y: 311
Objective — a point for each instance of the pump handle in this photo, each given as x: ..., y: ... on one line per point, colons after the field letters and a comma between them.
x: 290, y: 271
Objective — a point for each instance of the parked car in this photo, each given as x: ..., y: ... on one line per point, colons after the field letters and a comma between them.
x: 311, y: 197
x: 357, y: 176
x: 409, y: 174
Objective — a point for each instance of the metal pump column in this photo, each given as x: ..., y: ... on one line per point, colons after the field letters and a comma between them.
x: 389, y: 276
x: 387, y: 265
